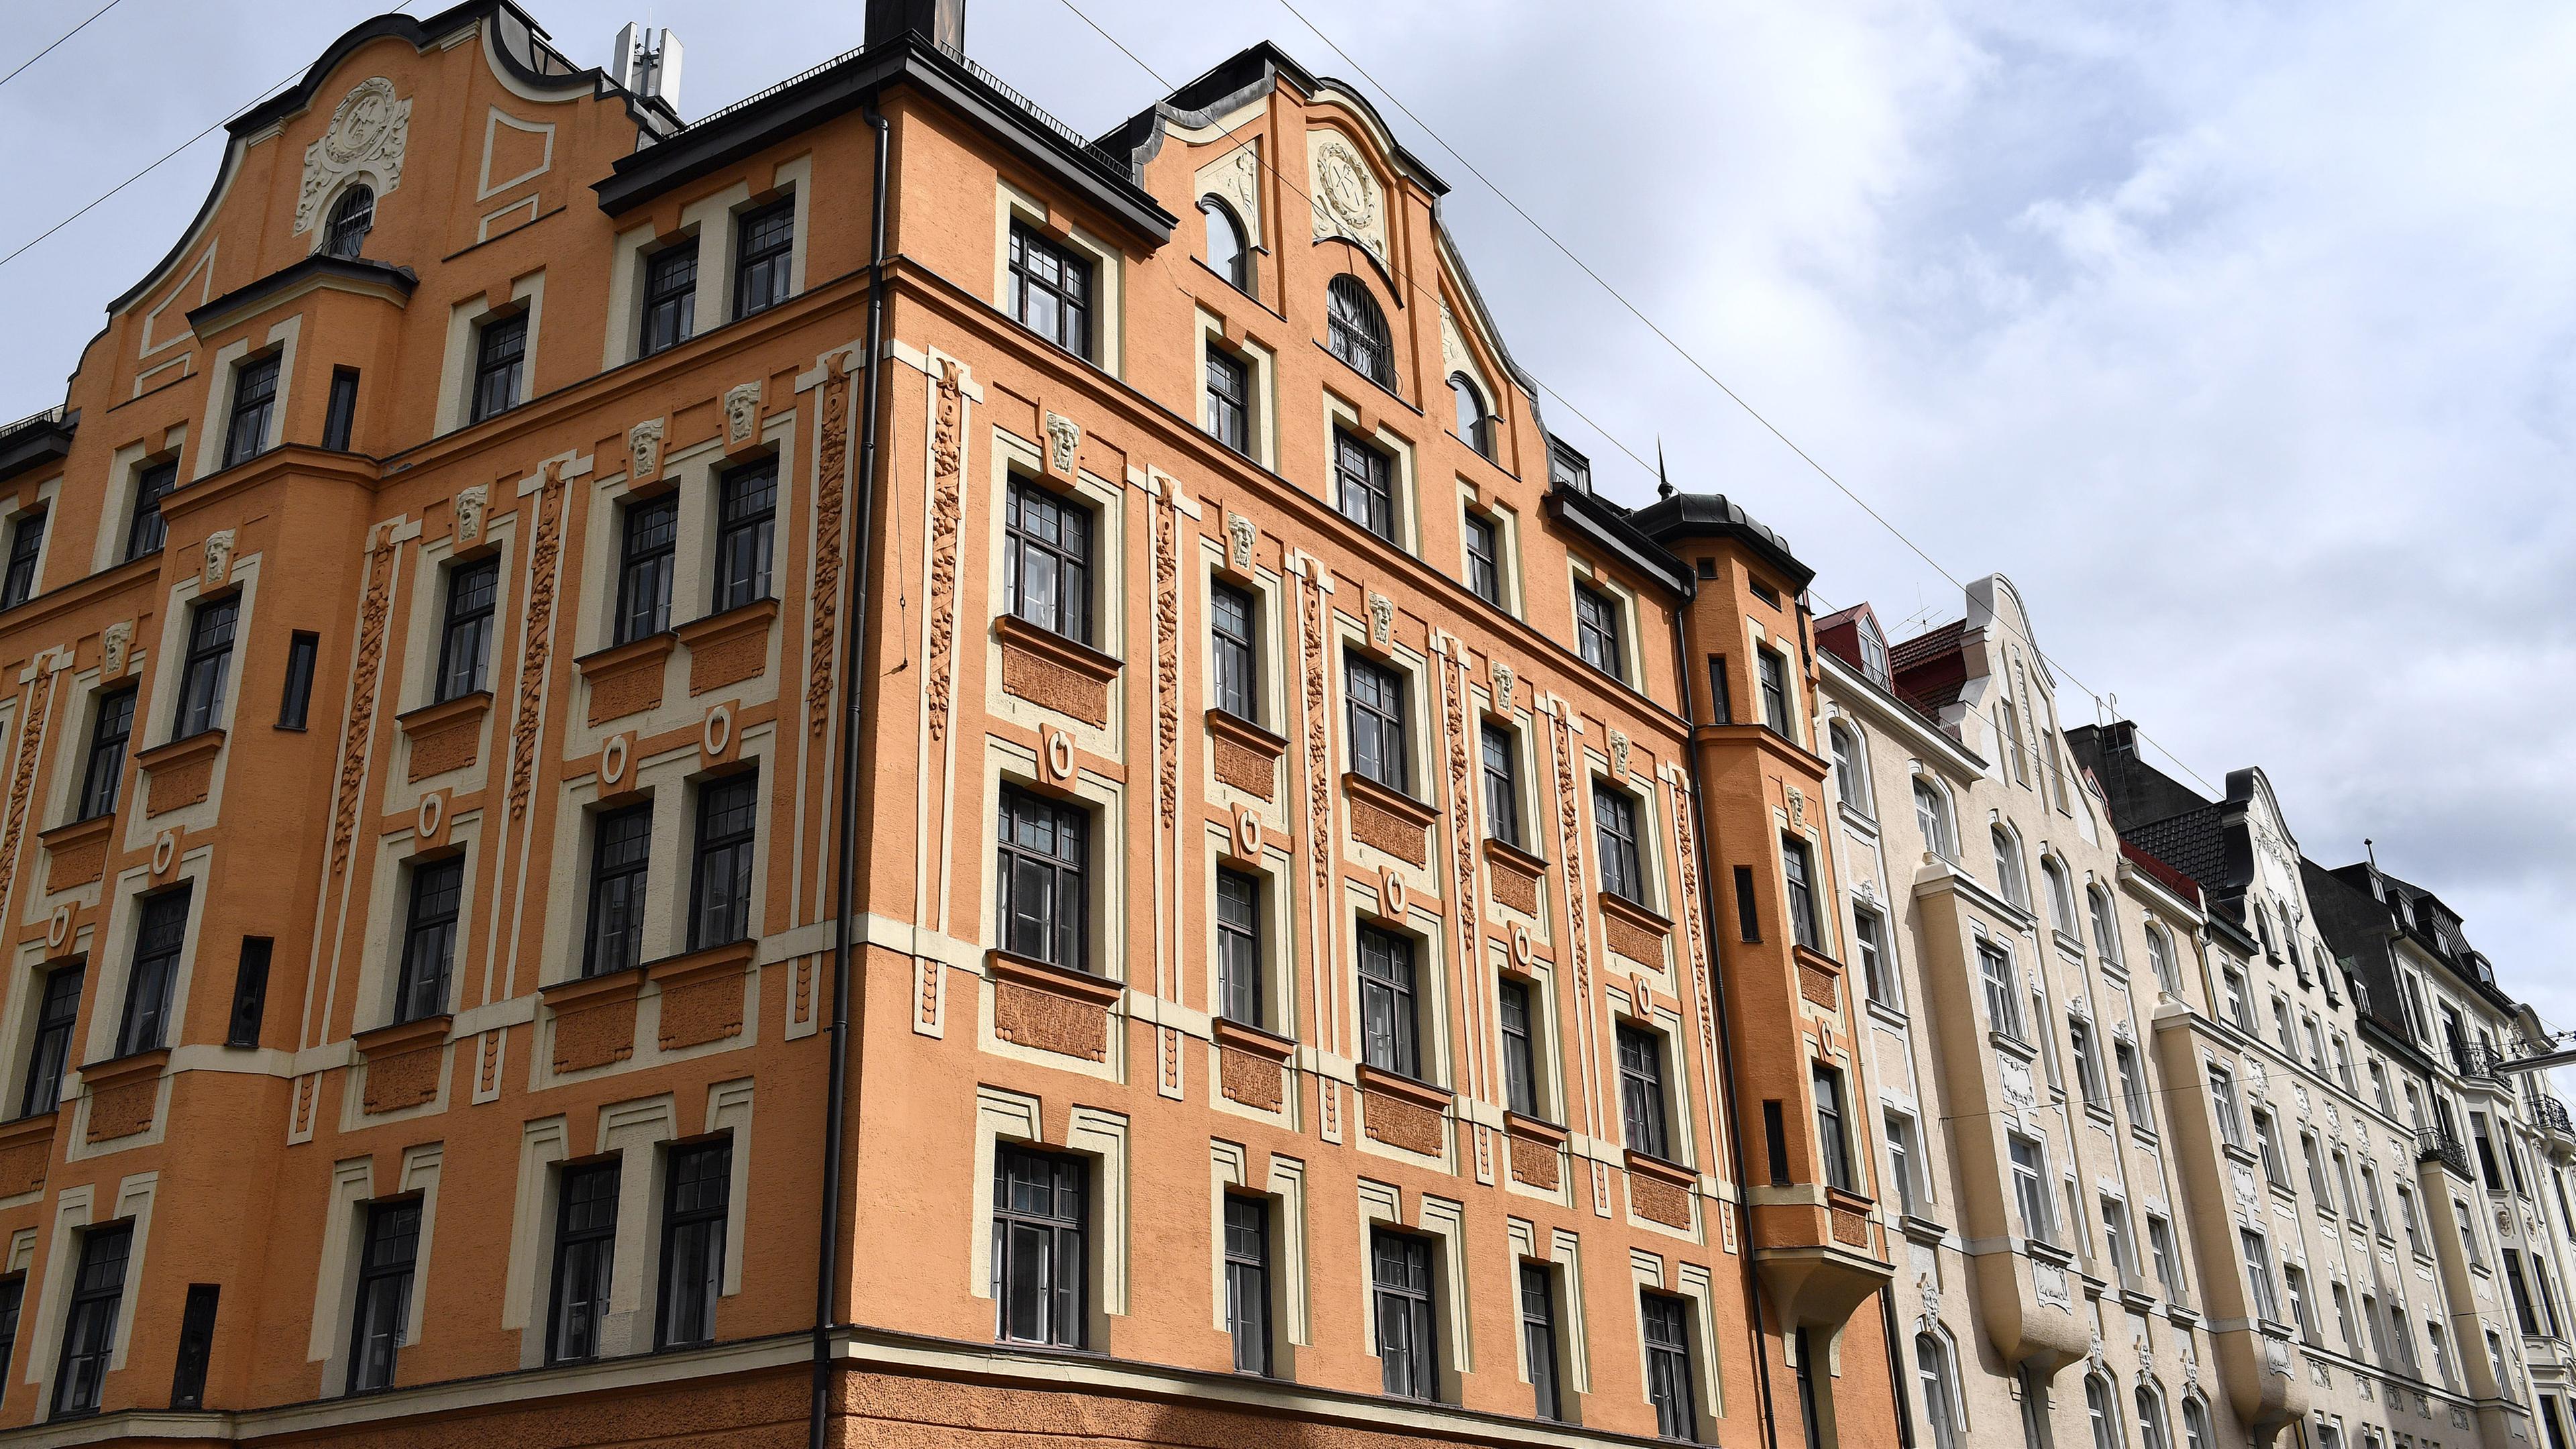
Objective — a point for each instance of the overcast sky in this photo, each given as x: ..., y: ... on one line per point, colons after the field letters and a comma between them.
x: 2238, y: 336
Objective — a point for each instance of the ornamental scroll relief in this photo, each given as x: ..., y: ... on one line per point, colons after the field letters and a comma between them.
x: 367, y: 136
x: 1348, y: 200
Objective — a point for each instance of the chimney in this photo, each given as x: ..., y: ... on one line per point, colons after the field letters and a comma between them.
x: 645, y: 64
x: 943, y: 21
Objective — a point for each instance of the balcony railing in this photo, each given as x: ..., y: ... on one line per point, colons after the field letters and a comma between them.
x: 2551, y: 1114
x: 2433, y: 1143
x: 52, y: 414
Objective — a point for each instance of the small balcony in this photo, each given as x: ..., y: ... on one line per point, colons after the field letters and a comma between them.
x: 2550, y: 1115
x: 2435, y: 1144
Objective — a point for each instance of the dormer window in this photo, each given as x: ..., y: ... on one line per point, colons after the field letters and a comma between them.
x: 1873, y: 652
x: 1474, y: 426
x: 1357, y: 330
x: 352, y: 217
x: 1227, y: 255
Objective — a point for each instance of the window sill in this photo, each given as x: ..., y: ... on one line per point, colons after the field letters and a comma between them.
x: 1053, y: 979
x: 1387, y: 819
x: 164, y: 758
x: 1410, y: 1089
x: 1504, y: 855
x: 431, y: 718
x: 142, y: 1066
x: 1245, y: 1037
x: 1535, y: 1129
x: 395, y: 1038
x: 1235, y: 729
x: 707, y: 963
x: 78, y: 833
x: 1662, y: 1168
x: 728, y: 647
x: 31, y: 1130
x: 574, y: 992
x: 1055, y: 672
x: 2101, y: 1115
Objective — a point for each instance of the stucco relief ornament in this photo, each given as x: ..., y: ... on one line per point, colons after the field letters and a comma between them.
x: 1238, y: 534
x: 1618, y: 752
x: 469, y: 513
x: 2146, y: 1355
x: 741, y: 410
x: 1931, y: 1304
x: 1381, y: 611
x: 1797, y: 808
x: 2093, y: 1353
x: 367, y: 134
x: 2257, y: 1080
x: 2190, y: 1370
x: 644, y: 449
x: 115, y: 644
x: 219, y: 558
x: 2016, y: 1083
x: 1346, y: 202
x: 1502, y: 685
x: 2081, y: 1008
x: 1063, y: 436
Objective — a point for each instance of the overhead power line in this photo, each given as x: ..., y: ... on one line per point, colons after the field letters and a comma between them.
x: 58, y: 40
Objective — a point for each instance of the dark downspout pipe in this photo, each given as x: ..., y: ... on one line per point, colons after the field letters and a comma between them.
x: 827, y: 1254
x: 1725, y: 1033
x: 1895, y: 1367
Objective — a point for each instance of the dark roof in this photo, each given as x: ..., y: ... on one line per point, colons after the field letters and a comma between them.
x: 364, y: 270
x: 2135, y: 790
x: 1929, y: 645
x: 32, y: 442
x: 1613, y: 529
x: 2194, y: 842
x: 1678, y: 516
x: 1231, y: 82
x: 2163, y: 874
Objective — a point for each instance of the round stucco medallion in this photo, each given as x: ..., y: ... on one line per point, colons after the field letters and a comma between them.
x: 1347, y: 187
x: 365, y: 114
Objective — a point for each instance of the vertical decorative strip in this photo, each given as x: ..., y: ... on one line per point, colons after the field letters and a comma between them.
x: 1165, y: 504
x: 1452, y: 666
x: 831, y: 488
x: 32, y: 712
x: 544, y: 559
x: 946, y: 461
x: 1319, y: 833
x: 1698, y: 958
x: 361, y: 735
x: 1578, y: 935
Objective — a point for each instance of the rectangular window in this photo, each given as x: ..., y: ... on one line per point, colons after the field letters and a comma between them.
x: 254, y: 403
x: 1484, y: 558
x: 2222, y: 1098
x: 1775, y: 691
x: 1389, y: 1028
x: 621, y: 859
x: 1238, y: 946
x: 429, y: 938
x: 103, y: 775
x: 26, y: 545
x: 2160, y: 1247
x: 1520, y: 1049
x: 1363, y: 485
x: 2088, y: 1065
x: 2115, y: 1235
x: 1378, y: 748
x: 1229, y: 400
x: 2133, y: 1084
x: 1799, y: 867
x: 1230, y: 631
x: 670, y: 296
x: 157, y: 943
x: 208, y: 667
x: 720, y: 888
x: 390, y: 1248
x: 2030, y: 1188
x: 694, y: 1208
x: 1247, y: 1282
x: 1408, y: 1340
x: 250, y: 991
x: 148, y: 530
x: 340, y: 418
x: 746, y: 533
x: 1721, y: 706
x: 2258, y: 1273
x: 465, y: 639
x: 1501, y: 764
x: 1046, y: 560
x: 1833, y: 1134
x: 89, y: 1325
x: 647, y: 542
x: 2003, y: 1004
x: 1668, y: 1365
x: 1641, y: 1091
x: 295, y: 701
x: 1596, y: 632
x: 1775, y: 1141
x: 585, y: 1243
x: 1538, y: 1337
x: 2275, y: 1170
x: 1900, y: 1162
x: 1050, y: 290
x: 196, y: 1344
x: 2521, y: 1292
x: 1039, y: 876
x: 500, y: 352
x: 1870, y: 944
x: 1614, y: 822
x: 1039, y: 1263
x: 1748, y: 915
x: 50, y: 1055
x: 764, y: 246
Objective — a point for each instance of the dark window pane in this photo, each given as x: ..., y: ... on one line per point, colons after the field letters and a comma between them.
x: 391, y: 1246
x: 206, y: 669
x: 352, y: 217
x: 1502, y: 784
x: 1238, y: 944
x: 499, y: 354
x: 341, y: 417
x: 1247, y: 1282
x: 1229, y: 400
x: 1377, y: 723
x: 695, y: 1206
x: 1798, y: 865
x: 746, y: 534
x: 1051, y: 290
x: 646, y: 550
x: 1520, y: 1052
x: 1538, y: 1336
x: 1641, y: 1090
x: 585, y: 1248
x: 670, y: 296
x: 728, y: 825
x: 1389, y: 1027
x: 620, y: 862
x: 110, y: 730
x: 1227, y: 255
x: 49, y: 1056
x: 1046, y: 560
x: 1614, y: 817
x: 1230, y: 616
x: 1484, y: 569
x: 465, y: 643
x: 1040, y: 880
x: 1356, y: 330
x: 1040, y: 1265
x: 250, y: 991
x: 295, y: 701
x: 1408, y: 1341
x: 764, y: 248
x: 89, y: 1324
x: 26, y: 546
x: 254, y: 402
x: 148, y: 530
x: 1596, y: 631
x: 429, y: 938
x: 1364, y: 489
x: 1666, y: 1326
x: 158, y: 939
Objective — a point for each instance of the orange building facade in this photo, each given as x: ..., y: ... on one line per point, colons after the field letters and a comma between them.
x: 863, y: 770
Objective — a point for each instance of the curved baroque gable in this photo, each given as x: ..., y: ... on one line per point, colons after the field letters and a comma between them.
x: 1349, y: 201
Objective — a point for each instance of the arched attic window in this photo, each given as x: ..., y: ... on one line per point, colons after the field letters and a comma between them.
x: 1475, y: 423
x: 2106, y: 926
x: 1932, y: 817
x: 1228, y: 255
x: 2009, y: 878
x: 1851, y: 768
x: 352, y: 217
x: 1356, y: 330
x: 2061, y: 896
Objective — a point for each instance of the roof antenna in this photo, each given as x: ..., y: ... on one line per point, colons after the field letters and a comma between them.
x: 1663, y: 481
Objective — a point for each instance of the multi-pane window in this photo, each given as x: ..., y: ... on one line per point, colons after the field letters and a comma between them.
x: 1538, y: 1336
x: 202, y: 675
x: 1355, y: 330
x: 2106, y: 927
x: 352, y: 217
x: 429, y: 938
x: 2275, y: 1169
x: 1046, y: 560
x: 1851, y: 777
x: 694, y: 1208
x: 500, y: 354
x: 2160, y: 961
x: 149, y: 530
x: 2160, y: 1247
x: 1900, y: 1160
x: 1775, y: 691
x: 103, y: 774
x: 1378, y: 747
x: 1666, y: 1324
x: 1227, y: 255
x: 1501, y: 767
x: 2133, y: 1084
x: 1833, y: 1129
x: 1230, y: 632
x: 1614, y: 823
x: 1484, y: 557
x: 1798, y: 865
x: 13, y: 1297
x: 1051, y: 290
x: 1932, y: 1371
x: 2115, y: 1235
x: 764, y: 249
x: 1039, y: 877
x: 1363, y: 484
x: 585, y: 1244
x: 1238, y: 946
x: 2003, y: 1003
x: 1475, y: 425
x: 647, y: 545
x: 720, y: 887
x: 1596, y: 632
x: 1641, y: 1090
x: 1869, y: 943
x: 670, y: 296
x: 2088, y: 1064
x: 746, y: 533
x: 1408, y: 1340
x: 49, y: 1055
x: 158, y: 939
x: 2258, y: 1273
x: 26, y: 545
x: 621, y: 860
x: 1247, y: 1281
x: 1229, y: 400
x: 1520, y: 1048
x: 1038, y: 1255
x: 1390, y: 1028
x: 254, y: 407
x: 89, y: 1324
x: 2030, y: 1187
x: 389, y: 1249
x: 465, y: 641
x: 1932, y: 818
